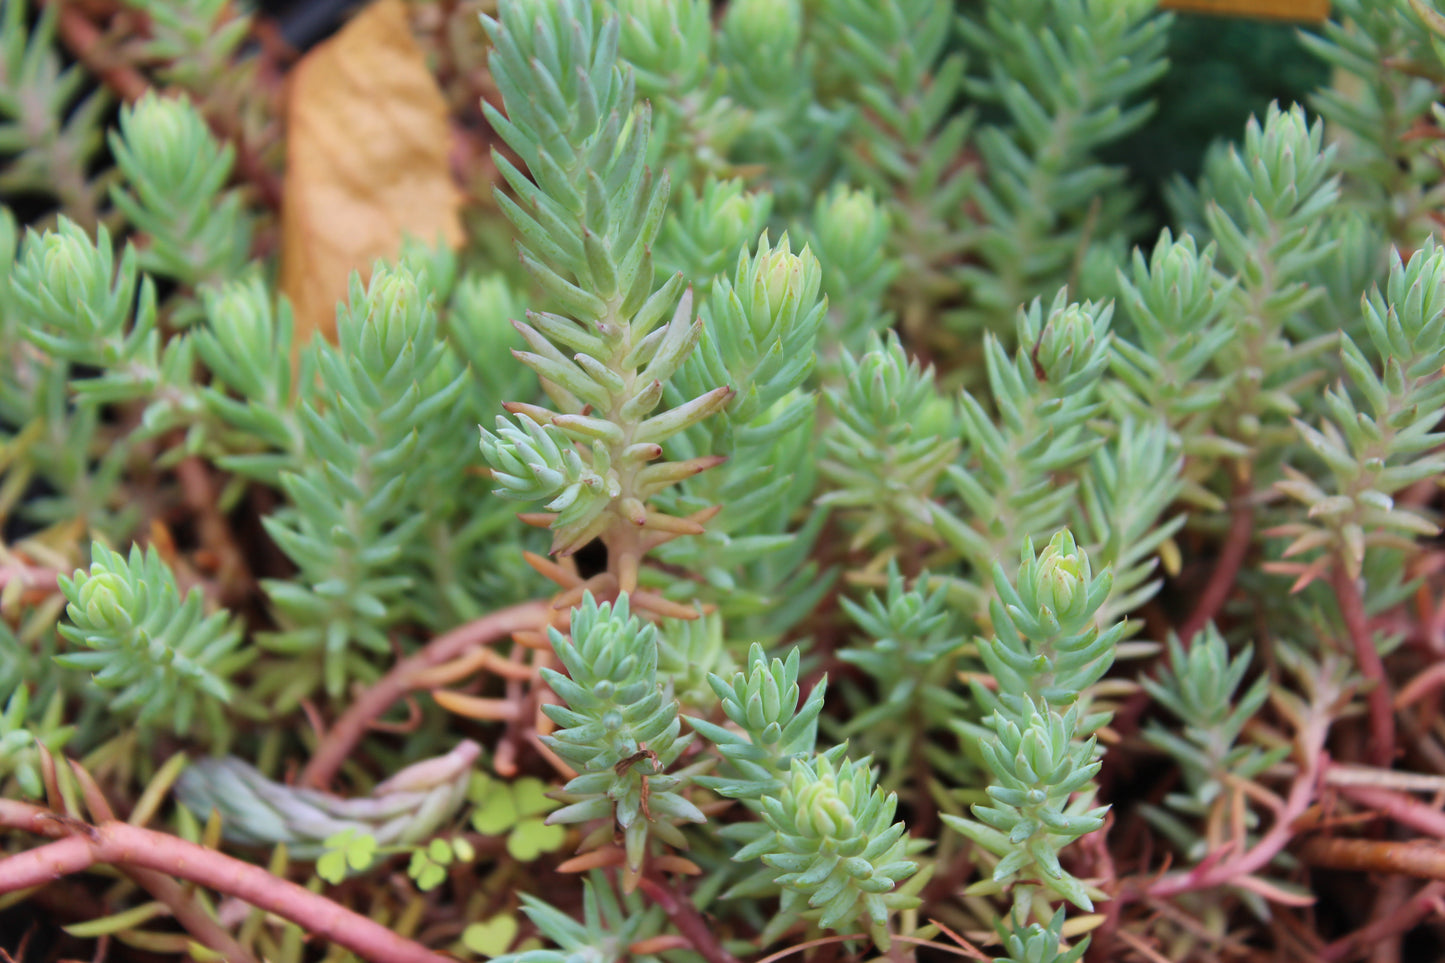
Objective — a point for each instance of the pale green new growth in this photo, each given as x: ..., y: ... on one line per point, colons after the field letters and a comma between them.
x: 834, y: 848
x: 175, y: 170
x: 593, y: 209
x: 378, y: 408
x: 775, y: 731
x: 167, y: 657
x: 1036, y: 943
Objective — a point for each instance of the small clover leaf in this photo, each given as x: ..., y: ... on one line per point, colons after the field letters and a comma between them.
x: 503, y: 807
x: 426, y: 872
x: 490, y: 937
x: 428, y: 865
x: 332, y: 866
x: 497, y: 813
x: 529, y: 795
x: 533, y: 837
x: 479, y: 787
x: 346, y: 849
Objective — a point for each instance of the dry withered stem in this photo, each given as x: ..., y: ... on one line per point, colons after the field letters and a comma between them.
x: 347, y: 731
x: 1416, y: 857
x: 1397, y: 806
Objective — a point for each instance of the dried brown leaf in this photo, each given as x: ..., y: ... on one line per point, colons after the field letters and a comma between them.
x: 367, y: 162
x: 1297, y: 11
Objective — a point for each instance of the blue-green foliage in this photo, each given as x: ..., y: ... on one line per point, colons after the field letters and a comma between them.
x: 1393, y: 174
x: 1200, y: 687
x: 706, y: 229
x: 889, y: 444
x: 903, y: 141
x: 1047, y: 645
x: 682, y: 73
x: 592, y: 211
x: 33, y: 712
x: 776, y: 730
x: 1174, y: 302
x: 1011, y: 479
x: 1270, y: 207
x: 828, y: 841
x: 834, y: 848
x: 1046, y: 652
x: 911, y: 650
x: 247, y: 344
x: 358, y: 501
x: 1388, y: 439
x: 881, y: 206
x: 166, y: 656
x: 609, y: 927
x: 1036, y: 765
x: 620, y: 729
x: 175, y: 171
x: 1038, y: 943
x: 1070, y: 77
x: 51, y: 116
x: 760, y: 328
x: 850, y: 236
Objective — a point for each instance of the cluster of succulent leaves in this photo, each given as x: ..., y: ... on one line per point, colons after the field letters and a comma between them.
x: 827, y: 316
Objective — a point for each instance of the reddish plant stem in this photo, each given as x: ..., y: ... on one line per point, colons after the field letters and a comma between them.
x: 1371, y: 666
x: 1221, y: 872
x: 347, y: 731
x: 1392, y: 893
x: 689, y: 922
x: 35, y: 577
x: 1409, y: 915
x: 1399, y: 807
x: 182, y: 905
x: 1427, y: 683
x: 85, y: 42
x: 1097, y: 844
x: 1231, y: 558
x: 1216, y: 592
x: 190, y: 915
x: 130, y: 847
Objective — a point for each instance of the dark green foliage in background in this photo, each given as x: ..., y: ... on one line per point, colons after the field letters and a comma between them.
x: 1222, y: 71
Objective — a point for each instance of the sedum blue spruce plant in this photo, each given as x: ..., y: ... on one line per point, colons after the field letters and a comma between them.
x: 852, y: 524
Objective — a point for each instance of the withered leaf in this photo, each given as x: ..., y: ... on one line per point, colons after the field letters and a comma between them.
x: 1297, y: 11
x: 367, y: 162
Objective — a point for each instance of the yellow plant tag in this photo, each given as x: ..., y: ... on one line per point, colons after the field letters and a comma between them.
x: 1298, y: 11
